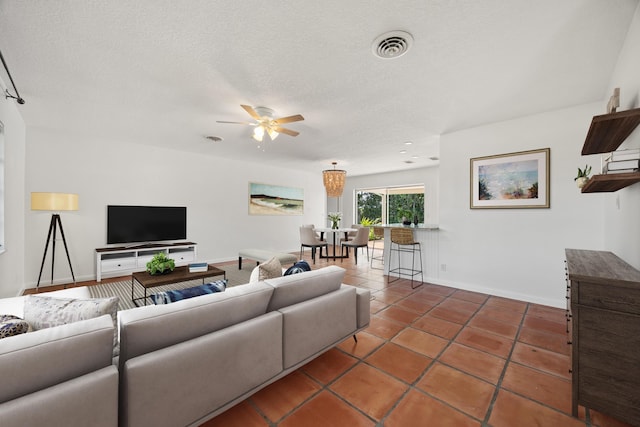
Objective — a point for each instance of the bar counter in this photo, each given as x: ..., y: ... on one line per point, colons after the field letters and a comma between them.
x: 427, y: 235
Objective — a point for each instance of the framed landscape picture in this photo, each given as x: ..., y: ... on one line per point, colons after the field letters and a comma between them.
x: 513, y: 180
x: 266, y: 199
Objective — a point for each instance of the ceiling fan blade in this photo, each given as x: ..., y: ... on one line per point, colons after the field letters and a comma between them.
x: 288, y: 119
x: 236, y: 123
x: 286, y: 131
x: 249, y: 109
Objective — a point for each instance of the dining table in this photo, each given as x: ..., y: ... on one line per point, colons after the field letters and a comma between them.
x: 335, y: 235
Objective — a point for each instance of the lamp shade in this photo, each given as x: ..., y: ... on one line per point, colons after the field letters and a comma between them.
x: 54, y: 202
x: 334, y: 181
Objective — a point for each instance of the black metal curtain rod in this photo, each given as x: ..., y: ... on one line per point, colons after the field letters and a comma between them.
x: 17, y: 97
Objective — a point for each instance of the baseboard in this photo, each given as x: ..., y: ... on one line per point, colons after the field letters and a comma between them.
x: 557, y: 303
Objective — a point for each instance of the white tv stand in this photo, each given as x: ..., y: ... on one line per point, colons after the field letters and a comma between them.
x: 124, y: 260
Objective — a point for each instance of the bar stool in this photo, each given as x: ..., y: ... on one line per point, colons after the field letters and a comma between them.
x: 378, y: 234
x: 402, y: 242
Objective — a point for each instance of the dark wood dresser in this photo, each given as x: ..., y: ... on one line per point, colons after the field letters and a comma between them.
x: 603, y: 324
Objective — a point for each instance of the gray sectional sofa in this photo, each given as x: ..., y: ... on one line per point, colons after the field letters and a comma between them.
x: 183, y: 363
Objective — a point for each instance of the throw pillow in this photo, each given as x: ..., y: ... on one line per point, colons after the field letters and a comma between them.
x: 270, y: 269
x: 167, y: 297
x: 45, y: 312
x: 11, y: 325
x: 298, y: 267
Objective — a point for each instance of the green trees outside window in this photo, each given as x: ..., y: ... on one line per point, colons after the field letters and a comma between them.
x: 389, y: 205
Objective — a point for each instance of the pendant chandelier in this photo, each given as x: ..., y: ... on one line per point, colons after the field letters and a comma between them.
x: 334, y: 180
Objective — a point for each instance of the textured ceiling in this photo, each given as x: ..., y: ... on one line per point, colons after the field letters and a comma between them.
x: 161, y: 72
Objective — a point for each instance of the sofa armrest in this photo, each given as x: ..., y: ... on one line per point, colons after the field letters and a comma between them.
x: 363, y: 303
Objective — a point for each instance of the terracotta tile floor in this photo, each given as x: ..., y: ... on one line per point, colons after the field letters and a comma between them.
x: 433, y: 356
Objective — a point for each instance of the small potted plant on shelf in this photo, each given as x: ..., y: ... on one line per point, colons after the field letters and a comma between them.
x: 583, y: 176
x: 160, y: 264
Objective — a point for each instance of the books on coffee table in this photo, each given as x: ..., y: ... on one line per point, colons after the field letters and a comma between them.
x: 196, y: 267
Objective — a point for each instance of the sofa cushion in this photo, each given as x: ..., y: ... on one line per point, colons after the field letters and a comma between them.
x: 11, y: 325
x: 178, y: 385
x: 270, y: 269
x: 150, y: 328
x: 296, y: 288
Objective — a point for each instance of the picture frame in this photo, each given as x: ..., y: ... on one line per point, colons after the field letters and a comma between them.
x: 517, y: 180
x: 267, y: 199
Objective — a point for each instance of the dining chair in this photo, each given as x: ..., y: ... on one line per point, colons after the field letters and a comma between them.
x: 352, y: 234
x: 361, y: 240
x: 313, y: 227
x: 308, y: 239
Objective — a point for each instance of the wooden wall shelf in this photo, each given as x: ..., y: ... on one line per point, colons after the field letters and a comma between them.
x: 610, y: 182
x: 608, y: 131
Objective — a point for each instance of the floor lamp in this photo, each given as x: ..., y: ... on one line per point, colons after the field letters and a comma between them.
x: 54, y: 202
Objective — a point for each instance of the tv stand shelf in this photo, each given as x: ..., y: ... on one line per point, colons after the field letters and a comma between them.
x: 124, y: 260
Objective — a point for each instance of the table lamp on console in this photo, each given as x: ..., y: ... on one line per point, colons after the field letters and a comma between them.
x: 55, y: 202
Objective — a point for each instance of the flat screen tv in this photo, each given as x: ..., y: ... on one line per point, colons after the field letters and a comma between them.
x: 135, y: 224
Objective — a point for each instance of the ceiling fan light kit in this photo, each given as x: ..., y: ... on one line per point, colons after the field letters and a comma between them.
x: 258, y: 133
x: 265, y: 123
x: 334, y: 180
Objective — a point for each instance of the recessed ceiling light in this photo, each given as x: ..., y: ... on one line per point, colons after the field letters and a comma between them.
x: 414, y: 157
x: 408, y: 143
x: 403, y: 151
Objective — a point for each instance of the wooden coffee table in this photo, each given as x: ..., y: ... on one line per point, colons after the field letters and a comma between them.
x: 179, y: 274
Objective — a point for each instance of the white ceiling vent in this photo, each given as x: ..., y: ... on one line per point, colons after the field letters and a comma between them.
x: 392, y: 44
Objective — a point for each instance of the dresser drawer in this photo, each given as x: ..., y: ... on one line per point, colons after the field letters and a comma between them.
x: 609, y: 362
x: 118, y: 264
x: 623, y: 299
x: 182, y: 256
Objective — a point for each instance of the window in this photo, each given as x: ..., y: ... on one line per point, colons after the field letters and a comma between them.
x: 388, y: 205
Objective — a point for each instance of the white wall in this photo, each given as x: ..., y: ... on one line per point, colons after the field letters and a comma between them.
x: 214, y: 190
x: 621, y: 220
x: 518, y: 253
x: 12, y: 260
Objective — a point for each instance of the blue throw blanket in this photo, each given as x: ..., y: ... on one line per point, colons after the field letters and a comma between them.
x: 167, y: 297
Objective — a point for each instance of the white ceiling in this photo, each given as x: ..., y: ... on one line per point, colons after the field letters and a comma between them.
x: 161, y: 72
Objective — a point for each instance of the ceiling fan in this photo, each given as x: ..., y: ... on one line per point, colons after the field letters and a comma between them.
x: 266, y: 123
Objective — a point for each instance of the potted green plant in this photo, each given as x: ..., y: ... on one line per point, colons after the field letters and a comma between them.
x: 583, y: 176
x: 160, y: 264
x: 335, y: 218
